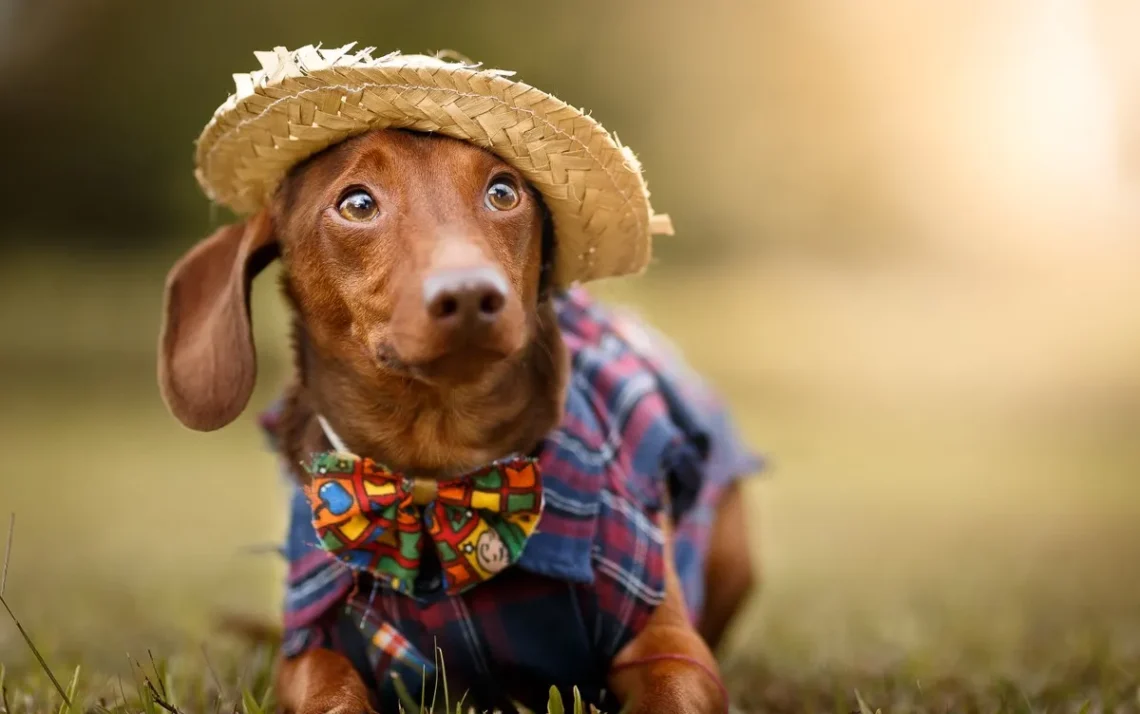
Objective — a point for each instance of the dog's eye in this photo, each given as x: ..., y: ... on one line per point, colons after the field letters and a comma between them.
x: 357, y: 205
x: 502, y: 194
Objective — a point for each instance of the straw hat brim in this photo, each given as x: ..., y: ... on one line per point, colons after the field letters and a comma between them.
x: 305, y: 100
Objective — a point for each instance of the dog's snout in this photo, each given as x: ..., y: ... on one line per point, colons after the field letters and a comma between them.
x: 465, y: 296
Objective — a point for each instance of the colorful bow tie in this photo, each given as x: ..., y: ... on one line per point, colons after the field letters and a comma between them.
x: 374, y: 519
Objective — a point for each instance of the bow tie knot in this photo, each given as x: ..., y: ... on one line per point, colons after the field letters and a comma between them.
x: 375, y: 520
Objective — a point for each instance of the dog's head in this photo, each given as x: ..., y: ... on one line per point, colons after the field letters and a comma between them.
x: 404, y: 254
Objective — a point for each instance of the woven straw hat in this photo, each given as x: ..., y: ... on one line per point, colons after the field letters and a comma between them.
x: 304, y: 100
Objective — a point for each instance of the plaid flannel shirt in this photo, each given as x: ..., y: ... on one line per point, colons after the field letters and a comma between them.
x: 637, y: 424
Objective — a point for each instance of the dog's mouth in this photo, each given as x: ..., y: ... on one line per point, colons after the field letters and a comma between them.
x: 452, y: 367
x: 391, y: 360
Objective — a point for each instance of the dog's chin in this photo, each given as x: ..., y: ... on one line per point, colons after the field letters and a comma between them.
x: 462, y: 366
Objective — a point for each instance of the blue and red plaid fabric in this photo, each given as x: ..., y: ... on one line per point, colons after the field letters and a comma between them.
x: 638, y: 423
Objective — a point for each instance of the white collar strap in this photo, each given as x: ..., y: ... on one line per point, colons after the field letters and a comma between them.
x: 332, y: 435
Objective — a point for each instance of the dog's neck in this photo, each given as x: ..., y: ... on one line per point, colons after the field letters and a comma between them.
x: 424, y: 429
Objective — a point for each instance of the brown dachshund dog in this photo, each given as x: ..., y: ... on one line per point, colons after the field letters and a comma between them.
x: 414, y: 266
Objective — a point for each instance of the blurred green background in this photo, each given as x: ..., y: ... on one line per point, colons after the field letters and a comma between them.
x: 907, y: 250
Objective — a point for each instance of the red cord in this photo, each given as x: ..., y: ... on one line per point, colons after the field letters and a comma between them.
x: 679, y: 658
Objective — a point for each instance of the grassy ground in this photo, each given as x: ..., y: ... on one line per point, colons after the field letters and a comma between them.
x: 950, y: 523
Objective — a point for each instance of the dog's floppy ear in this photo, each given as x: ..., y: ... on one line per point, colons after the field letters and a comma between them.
x: 206, y: 361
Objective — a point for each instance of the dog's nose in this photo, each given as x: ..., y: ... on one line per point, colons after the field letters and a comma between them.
x: 465, y: 296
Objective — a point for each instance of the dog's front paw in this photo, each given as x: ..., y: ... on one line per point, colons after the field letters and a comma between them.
x: 340, y: 709
x: 680, y: 691
x: 336, y: 705
x: 676, y: 705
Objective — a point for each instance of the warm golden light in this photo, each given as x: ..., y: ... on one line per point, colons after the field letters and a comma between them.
x: 907, y: 249
x: 1052, y: 103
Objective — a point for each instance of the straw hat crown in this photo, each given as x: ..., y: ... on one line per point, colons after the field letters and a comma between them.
x: 304, y: 100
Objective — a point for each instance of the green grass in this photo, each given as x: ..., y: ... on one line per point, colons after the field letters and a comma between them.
x: 952, y: 524
x: 155, y: 687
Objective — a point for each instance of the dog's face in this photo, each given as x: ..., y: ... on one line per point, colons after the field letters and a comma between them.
x: 404, y: 254
x: 412, y: 253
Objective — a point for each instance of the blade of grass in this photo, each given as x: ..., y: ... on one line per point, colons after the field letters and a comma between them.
x: 261, y: 670
x: 168, y: 687
x: 247, y: 674
x: 122, y: 692
x: 435, y: 685
x: 164, y: 692
x: 863, y: 708
x: 459, y: 706
x: 159, y: 673
x: 266, y: 702
x: 145, y: 699
x: 403, y: 694
x: 213, y: 677
x: 554, y: 705
x: 423, y: 688
x: 519, y: 708
x: 7, y: 553
x: 4, y: 690
x: 159, y: 699
x: 442, y: 672
x: 72, y: 688
x: 19, y: 626
x: 35, y: 651
x: 210, y: 669
x: 248, y: 704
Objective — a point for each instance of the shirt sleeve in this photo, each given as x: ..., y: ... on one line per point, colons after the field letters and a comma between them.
x: 695, y: 406
x: 708, y: 457
x: 315, y: 585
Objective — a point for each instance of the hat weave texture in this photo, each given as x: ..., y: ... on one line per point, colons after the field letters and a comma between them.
x: 305, y: 100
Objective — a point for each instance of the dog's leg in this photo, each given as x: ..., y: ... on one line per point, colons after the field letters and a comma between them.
x: 320, y: 681
x: 729, y: 573
x: 668, y: 667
